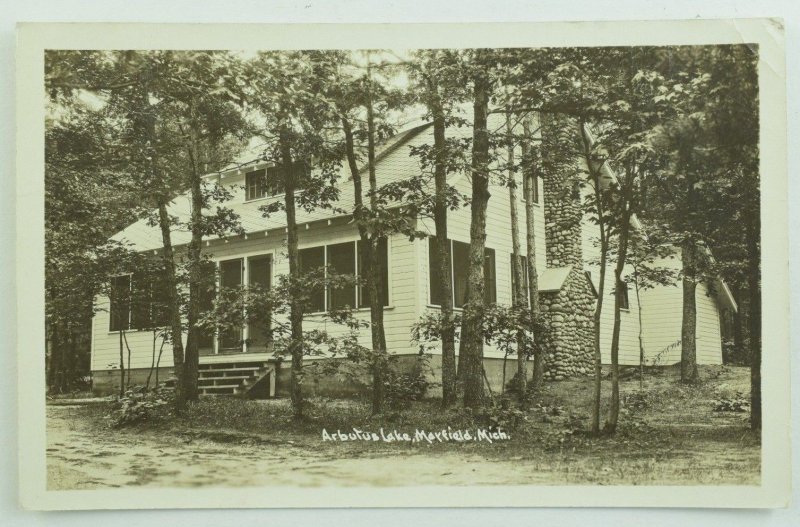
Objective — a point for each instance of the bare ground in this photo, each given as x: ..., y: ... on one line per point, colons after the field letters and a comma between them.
x: 669, y: 435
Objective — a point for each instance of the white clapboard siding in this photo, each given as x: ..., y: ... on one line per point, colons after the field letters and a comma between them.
x: 629, y: 318
x: 409, y: 285
x: 398, y: 316
x: 662, y: 319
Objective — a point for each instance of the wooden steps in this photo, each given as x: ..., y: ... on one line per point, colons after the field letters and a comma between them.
x: 236, y: 378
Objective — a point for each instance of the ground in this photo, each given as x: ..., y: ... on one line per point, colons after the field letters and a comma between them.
x: 669, y: 434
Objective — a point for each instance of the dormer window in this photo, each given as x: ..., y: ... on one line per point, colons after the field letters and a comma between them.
x: 256, y: 184
x: 266, y: 183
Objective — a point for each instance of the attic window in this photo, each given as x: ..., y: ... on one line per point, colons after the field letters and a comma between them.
x: 269, y: 182
x: 256, y: 184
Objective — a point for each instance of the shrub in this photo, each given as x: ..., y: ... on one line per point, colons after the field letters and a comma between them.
x: 401, y: 388
x: 140, y: 404
x: 503, y: 415
x: 737, y: 403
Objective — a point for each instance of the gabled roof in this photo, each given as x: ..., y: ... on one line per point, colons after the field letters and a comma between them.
x: 392, y: 163
x: 724, y: 295
x: 552, y: 278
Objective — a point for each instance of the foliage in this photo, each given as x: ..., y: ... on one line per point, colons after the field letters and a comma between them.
x: 140, y: 405
x: 404, y: 386
x: 739, y: 402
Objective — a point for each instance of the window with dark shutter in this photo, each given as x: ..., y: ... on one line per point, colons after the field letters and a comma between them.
x: 459, y: 252
x: 120, y: 312
x: 524, y: 263
x: 490, y: 279
x: 383, y: 261
x: 312, y: 259
x: 623, y: 296
x: 535, y: 178
x: 342, y: 261
x: 433, y: 264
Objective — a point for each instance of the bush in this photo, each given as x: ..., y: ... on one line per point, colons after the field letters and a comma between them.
x: 502, y: 416
x: 401, y: 388
x: 733, y: 356
x: 139, y: 405
x: 737, y: 403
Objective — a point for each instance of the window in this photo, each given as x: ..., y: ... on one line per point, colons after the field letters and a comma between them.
x: 460, y: 253
x: 623, y: 296
x: 383, y: 261
x: 255, y: 184
x: 120, y: 303
x: 434, y: 262
x: 524, y: 262
x: 311, y: 259
x: 535, y: 178
x: 342, y: 261
x: 139, y: 301
x: 345, y: 259
x: 230, y: 276
x: 269, y: 182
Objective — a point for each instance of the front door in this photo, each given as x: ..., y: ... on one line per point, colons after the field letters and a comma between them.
x: 231, y: 273
x: 259, y: 326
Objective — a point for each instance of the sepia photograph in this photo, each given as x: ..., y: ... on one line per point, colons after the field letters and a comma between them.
x: 403, y: 267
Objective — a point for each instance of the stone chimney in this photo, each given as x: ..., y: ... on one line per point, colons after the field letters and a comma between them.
x: 562, y: 219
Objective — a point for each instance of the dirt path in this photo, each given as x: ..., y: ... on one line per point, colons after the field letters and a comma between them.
x: 80, y: 458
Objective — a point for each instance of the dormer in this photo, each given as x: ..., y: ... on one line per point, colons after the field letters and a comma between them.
x: 268, y: 182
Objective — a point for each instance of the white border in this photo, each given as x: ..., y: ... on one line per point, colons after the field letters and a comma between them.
x: 30, y: 307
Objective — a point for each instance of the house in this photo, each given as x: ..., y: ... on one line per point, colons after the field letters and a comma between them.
x: 564, y: 251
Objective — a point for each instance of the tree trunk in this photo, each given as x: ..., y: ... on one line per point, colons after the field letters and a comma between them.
x: 375, y: 287
x: 520, y: 295
x: 619, y: 284
x: 754, y: 286
x: 191, y: 364
x: 121, y: 365
x: 171, y: 284
x: 471, y: 332
x: 689, y: 323
x: 445, y: 272
x: 165, y: 224
x: 528, y: 169
x: 296, y: 305
x: 594, y: 173
x: 374, y: 275
x: 53, y: 360
x: 688, y: 259
x: 738, y: 324
x: 641, y: 328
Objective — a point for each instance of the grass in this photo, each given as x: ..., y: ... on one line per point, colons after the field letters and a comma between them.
x: 669, y: 433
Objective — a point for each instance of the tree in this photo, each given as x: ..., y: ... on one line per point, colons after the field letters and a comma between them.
x: 358, y: 97
x: 528, y: 172
x: 147, y: 98
x: 517, y: 267
x: 82, y: 198
x: 438, y: 81
x: 204, y: 114
x: 483, y: 84
x: 287, y: 89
